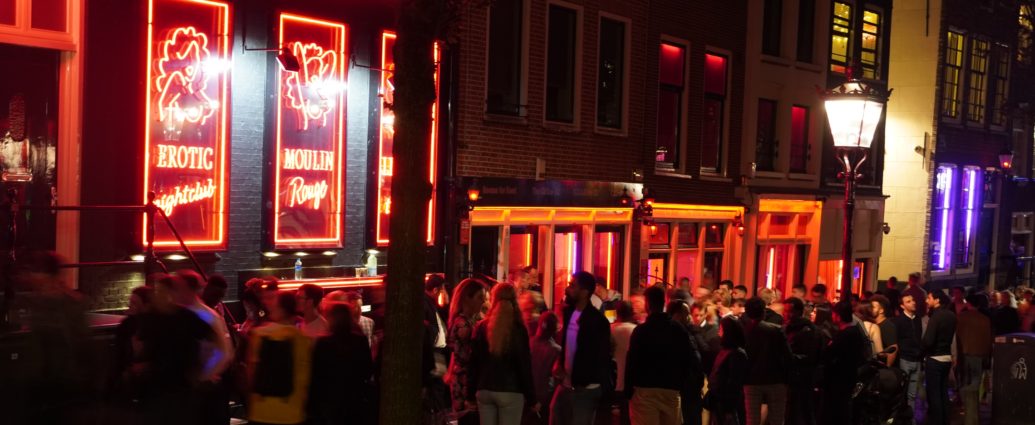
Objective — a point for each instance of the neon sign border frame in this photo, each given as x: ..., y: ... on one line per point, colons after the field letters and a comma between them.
x: 224, y: 45
x: 335, y: 240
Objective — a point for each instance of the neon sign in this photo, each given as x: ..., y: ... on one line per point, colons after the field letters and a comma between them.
x: 385, y: 160
x: 186, y: 119
x: 308, y: 173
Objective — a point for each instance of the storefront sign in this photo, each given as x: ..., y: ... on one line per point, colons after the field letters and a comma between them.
x: 385, y: 162
x: 310, y: 128
x: 186, y: 113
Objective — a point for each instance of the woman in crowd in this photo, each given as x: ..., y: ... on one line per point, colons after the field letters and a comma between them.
x: 865, y: 314
x: 501, y: 364
x: 342, y: 368
x: 545, y: 351
x: 119, y: 385
x: 464, y: 312
x: 725, y: 398
x: 278, y: 366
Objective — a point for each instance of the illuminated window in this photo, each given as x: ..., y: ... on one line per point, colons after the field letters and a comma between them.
x: 506, y: 32
x: 941, y: 220
x: 799, y: 157
x: 607, y: 256
x: 524, y: 251
x: 1026, y: 34
x: 611, y: 74
x: 671, y: 77
x: 976, y: 82
x: 766, y: 147
x: 772, y: 16
x: 969, y: 215
x: 567, y: 258
x: 951, y: 89
x: 840, y: 33
x: 715, y: 71
x: 870, y: 50
x: 806, y: 29
x: 1000, y: 73
x: 560, y: 64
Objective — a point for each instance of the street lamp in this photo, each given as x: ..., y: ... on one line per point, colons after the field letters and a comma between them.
x: 854, y: 110
x: 1006, y: 160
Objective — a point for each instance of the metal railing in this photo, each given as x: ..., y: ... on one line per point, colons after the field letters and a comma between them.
x: 13, y: 209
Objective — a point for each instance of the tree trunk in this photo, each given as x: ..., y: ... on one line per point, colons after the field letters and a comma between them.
x: 411, y: 190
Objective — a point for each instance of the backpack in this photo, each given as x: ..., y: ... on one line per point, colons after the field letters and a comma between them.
x: 275, y: 372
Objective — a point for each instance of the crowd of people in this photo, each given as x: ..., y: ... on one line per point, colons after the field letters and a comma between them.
x: 495, y: 353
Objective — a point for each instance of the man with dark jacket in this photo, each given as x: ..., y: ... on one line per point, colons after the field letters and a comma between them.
x: 584, y: 366
x: 909, y: 328
x: 806, y: 346
x: 690, y: 396
x: 842, y: 360
x: 937, y: 346
x: 769, y: 358
x: 656, y: 369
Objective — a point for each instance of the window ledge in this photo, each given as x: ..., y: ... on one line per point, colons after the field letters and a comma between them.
x: 768, y: 175
x: 561, y: 127
x: 775, y: 60
x: 802, y: 177
x: 671, y: 173
x: 713, y: 177
x: 506, y: 119
x: 613, y: 132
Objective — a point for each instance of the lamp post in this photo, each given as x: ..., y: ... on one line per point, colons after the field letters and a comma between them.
x: 854, y: 110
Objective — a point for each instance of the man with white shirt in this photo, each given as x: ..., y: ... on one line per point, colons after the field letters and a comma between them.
x: 584, y: 366
x: 308, y: 297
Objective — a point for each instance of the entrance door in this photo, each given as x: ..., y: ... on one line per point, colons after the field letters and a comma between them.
x: 485, y: 250
x: 28, y: 140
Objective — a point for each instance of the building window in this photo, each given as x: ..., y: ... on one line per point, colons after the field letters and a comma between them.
x: 671, y: 85
x: 840, y: 33
x: 941, y: 221
x: 611, y: 74
x: 1000, y: 74
x: 976, y: 85
x: 771, y: 27
x: 715, y: 71
x: 766, y: 146
x: 969, y: 214
x: 1025, y: 35
x: 560, y: 64
x: 870, y: 44
x: 799, y: 157
x: 953, y: 70
x: 506, y: 32
x: 806, y: 29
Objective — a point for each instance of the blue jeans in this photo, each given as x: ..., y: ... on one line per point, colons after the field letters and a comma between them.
x: 912, y: 371
x: 574, y: 406
x: 500, y: 408
x: 937, y: 379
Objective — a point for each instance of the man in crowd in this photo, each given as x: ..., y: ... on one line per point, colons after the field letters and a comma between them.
x: 915, y: 288
x: 213, y: 394
x: 974, y: 334
x: 888, y: 331
x: 818, y: 297
x: 798, y: 291
x: 584, y: 365
x: 843, y: 357
x: 740, y: 292
x: 937, y: 347
x: 768, y: 296
x: 737, y: 308
x: 656, y: 369
x: 769, y: 359
x: 313, y: 324
x: 366, y: 324
x: 908, y: 329
x: 679, y: 311
x: 806, y: 346
x: 727, y: 285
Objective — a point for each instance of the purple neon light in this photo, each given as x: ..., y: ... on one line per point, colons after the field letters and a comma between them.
x: 943, y: 234
x: 972, y: 176
x: 574, y: 250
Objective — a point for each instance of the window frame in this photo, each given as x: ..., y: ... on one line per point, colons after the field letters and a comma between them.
x: 878, y: 38
x: 977, y: 94
x: 999, y: 86
x: 522, y: 107
x: 774, y: 143
x: 837, y: 66
x: 723, y: 166
x: 772, y: 35
x: 806, y: 45
x: 623, y: 129
x: 959, y: 73
x: 806, y: 141
x: 576, y: 65
x: 679, y: 165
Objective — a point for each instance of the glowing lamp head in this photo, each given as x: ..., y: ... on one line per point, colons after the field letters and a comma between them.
x: 1006, y: 159
x: 853, y: 111
x: 473, y: 195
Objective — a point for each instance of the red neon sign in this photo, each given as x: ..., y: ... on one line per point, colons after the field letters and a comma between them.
x: 186, y: 115
x: 310, y: 135
x: 385, y: 160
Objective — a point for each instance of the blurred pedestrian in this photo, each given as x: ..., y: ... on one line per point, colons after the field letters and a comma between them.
x: 769, y: 297
x: 213, y: 394
x: 705, y: 330
x: 843, y: 357
x: 342, y: 367
x: 806, y: 345
x: 908, y: 330
x: 584, y: 366
x: 725, y: 398
x: 621, y: 332
x: 656, y: 370
x: 464, y: 313
x: 974, y: 336
x: 690, y: 395
x: 279, y: 363
x: 1005, y: 317
x: 119, y: 386
x: 769, y: 359
x: 354, y: 299
x: 545, y: 352
x: 914, y: 287
x: 937, y: 345
x: 866, y: 321
x: 501, y: 362
x: 308, y: 297
x: 881, y: 308
x: 739, y: 292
